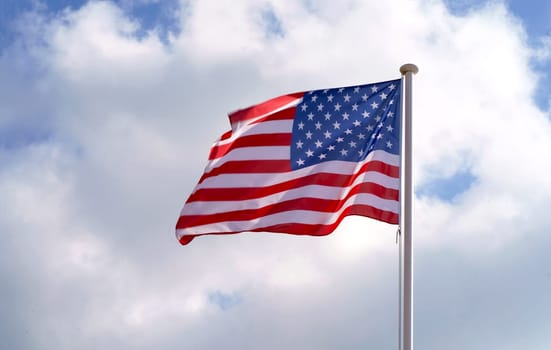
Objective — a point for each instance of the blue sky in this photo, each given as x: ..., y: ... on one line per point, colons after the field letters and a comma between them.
x: 151, y: 14
x: 107, y: 112
x: 534, y: 16
x: 533, y: 13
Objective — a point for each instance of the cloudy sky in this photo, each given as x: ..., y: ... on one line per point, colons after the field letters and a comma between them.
x: 107, y: 113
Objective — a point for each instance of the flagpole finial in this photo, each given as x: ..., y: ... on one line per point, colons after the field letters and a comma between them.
x: 409, y: 67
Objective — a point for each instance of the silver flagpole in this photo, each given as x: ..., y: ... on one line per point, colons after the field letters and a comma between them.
x: 407, y: 71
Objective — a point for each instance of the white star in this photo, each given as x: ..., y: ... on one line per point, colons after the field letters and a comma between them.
x: 355, y: 107
x: 327, y: 134
x: 378, y: 118
x: 352, y: 144
x: 310, y: 116
x: 357, y: 123
x: 345, y: 116
x: 361, y: 136
x: 392, y: 87
x: 300, y: 162
x: 383, y: 96
x: 322, y: 156
x: 320, y: 107
x: 357, y: 89
x: 370, y: 128
x: 314, y: 98
x: 308, y: 135
x: 365, y: 114
x: 364, y: 97
x: 325, y: 91
x: 361, y: 152
x: 318, y: 144
x: 299, y: 144
x: 390, y: 128
x: 389, y: 144
x: 327, y: 116
x: 391, y: 102
x: 300, y: 125
x: 380, y: 136
x: 347, y: 98
x: 341, y: 89
x: 344, y: 152
x: 338, y: 107
x: 330, y: 98
x: 331, y: 148
x: 374, y: 89
x: 374, y: 105
x: 390, y: 114
x: 304, y: 106
x: 309, y: 153
x: 336, y: 125
x: 348, y: 131
x: 340, y: 139
x: 318, y: 126
x: 380, y: 125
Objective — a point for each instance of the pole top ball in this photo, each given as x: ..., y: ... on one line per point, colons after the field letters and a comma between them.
x: 409, y: 67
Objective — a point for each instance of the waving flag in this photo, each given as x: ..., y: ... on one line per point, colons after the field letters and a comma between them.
x: 300, y: 163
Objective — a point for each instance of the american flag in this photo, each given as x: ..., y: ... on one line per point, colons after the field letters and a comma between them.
x: 299, y: 163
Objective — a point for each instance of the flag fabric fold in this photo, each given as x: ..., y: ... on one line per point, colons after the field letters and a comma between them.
x: 300, y: 163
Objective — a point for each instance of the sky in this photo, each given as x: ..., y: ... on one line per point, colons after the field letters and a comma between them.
x: 107, y: 113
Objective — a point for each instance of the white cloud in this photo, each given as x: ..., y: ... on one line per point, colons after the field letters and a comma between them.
x: 99, y: 39
x: 91, y: 207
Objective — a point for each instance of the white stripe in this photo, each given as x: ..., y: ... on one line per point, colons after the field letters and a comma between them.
x: 333, y: 167
x: 267, y: 127
x: 248, y: 153
x: 311, y: 191
x: 243, y: 123
x: 264, y: 180
x: 292, y: 216
x: 283, y: 153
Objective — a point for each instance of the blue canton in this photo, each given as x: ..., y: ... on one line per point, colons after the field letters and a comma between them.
x: 346, y: 123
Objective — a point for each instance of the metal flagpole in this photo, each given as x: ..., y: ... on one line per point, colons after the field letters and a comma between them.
x: 407, y: 71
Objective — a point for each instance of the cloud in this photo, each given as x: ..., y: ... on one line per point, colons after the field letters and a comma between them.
x: 107, y: 129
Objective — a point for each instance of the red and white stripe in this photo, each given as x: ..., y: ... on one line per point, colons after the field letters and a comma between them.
x: 248, y: 183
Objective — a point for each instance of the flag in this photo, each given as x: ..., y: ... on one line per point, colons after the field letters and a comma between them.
x: 299, y: 163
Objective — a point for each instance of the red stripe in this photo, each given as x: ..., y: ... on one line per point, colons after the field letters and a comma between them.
x: 282, y: 166
x: 313, y: 204
x: 249, y: 167
x: 285, y: 114
x: 283, y: 139
x: 226, y: 135
x: 237, y: 194
x: 263, y: 108
x: 316, y: 230
x: 245, y: 193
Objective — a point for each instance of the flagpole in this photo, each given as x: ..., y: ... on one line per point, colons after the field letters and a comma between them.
x: 407, y: 71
